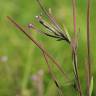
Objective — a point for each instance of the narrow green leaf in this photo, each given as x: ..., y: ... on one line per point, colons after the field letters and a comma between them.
x: 91, y: 86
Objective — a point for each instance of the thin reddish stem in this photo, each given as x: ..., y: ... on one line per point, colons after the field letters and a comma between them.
x: 39, y: 46
x: 74, y: 14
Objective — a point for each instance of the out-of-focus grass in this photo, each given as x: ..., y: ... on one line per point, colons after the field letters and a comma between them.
x: 25, y: 59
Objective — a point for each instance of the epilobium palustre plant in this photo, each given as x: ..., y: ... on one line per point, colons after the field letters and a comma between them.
x: 55, y: 31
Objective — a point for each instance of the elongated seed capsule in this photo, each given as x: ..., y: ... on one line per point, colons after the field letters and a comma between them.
x: 46, y: 25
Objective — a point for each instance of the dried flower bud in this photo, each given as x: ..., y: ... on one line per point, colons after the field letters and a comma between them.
x: 30, y: 25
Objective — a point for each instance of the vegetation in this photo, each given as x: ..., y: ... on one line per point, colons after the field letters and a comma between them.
x: 24, y: 68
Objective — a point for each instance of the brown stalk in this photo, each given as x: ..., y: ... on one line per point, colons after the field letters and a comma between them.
x: 74, y: 50
x: 53, y: 76
x: 50, y: 70
x: 88, y: 48
x: 39, y: 46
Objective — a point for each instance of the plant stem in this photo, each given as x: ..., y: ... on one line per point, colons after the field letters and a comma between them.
x: 74, y: 14
x: 88, y: 48
x: 76, y: 73
x: 52, y: 75
x: 39, y: 46
x: 74, y: 50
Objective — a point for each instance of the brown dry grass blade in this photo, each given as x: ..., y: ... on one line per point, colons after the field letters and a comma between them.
x: 39, y: 46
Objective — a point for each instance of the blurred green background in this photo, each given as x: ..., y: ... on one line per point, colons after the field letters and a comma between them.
x: 23, y: 71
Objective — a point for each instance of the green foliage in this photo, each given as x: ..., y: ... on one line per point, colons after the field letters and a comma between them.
x: 24, y: 59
